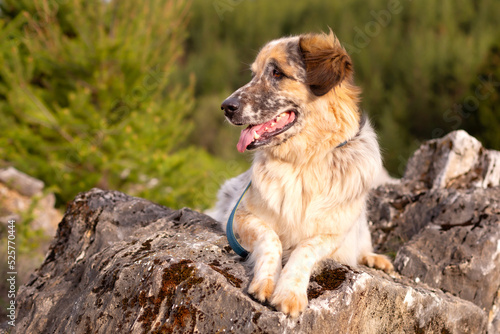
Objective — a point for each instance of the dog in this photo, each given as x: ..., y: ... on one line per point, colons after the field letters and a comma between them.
x: 316, y: 157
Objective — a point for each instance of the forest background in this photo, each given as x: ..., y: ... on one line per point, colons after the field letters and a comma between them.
x: 126, y: 94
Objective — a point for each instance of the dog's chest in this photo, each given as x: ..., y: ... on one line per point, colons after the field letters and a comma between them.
x: 292, y: 199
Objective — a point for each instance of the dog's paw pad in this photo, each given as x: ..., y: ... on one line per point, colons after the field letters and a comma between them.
x: 261, y: 289
x: 378, y: 261
x: 291, y: 303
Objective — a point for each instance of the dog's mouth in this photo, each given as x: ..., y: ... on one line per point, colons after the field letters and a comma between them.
x: 257, y: 135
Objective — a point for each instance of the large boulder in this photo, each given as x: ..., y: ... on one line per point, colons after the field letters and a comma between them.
x: 442, y: 220
x: 123, y: 264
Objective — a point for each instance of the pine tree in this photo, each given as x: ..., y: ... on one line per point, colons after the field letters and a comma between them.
x: 86, y: 98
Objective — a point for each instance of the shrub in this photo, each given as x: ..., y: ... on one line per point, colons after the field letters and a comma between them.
x: 86, y: 98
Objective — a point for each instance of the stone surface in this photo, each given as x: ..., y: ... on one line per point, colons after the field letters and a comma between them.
x: 123, y: 264
x: 442, y: 220
x: 23, y: 200
x: 22, y: 183
x: 456, y: 160
x: 21, y: 196
x: 494, y: 316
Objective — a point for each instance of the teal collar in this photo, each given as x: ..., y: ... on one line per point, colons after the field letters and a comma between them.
x: 342, y: 144
x: 231, y: 238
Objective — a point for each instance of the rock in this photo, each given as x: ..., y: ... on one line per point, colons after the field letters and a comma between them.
x: 456, y: 160
x: 22, y: 183
x: 23, y: 201
x: 22, y: 197
x: 123, y: 264
x: 494, y: 316
x: 444, y: 254
x: 443, y: 220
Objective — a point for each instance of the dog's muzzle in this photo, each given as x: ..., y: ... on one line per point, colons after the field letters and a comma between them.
x: 257, y: 134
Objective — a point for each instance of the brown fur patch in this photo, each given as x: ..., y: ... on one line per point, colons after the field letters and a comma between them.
x: 327, y: 63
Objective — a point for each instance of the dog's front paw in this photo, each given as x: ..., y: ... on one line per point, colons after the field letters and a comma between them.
x: 262, y: 289
x: 266, y: 272
x: 290, y: 301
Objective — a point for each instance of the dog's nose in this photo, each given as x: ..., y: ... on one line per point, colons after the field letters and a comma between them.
x: 230, y: 106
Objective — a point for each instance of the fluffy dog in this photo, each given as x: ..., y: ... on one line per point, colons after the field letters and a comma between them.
x: 316, y: 157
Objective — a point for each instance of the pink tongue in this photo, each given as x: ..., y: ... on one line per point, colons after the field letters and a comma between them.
x: 246, y: 136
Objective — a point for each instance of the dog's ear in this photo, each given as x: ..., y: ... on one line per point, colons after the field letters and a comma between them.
x: 326, y: 61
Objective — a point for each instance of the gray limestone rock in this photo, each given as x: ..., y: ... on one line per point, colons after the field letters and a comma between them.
x: 21, y: 182
x: 123, y: 264
x: 456, y: 160
x: 22, y: 195
x: 442, y: 221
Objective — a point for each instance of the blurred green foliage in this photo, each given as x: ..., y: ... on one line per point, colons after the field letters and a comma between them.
x: 86, y: 99
x: 482, y: 104
x: 415, y: 61
x: 126, y: 95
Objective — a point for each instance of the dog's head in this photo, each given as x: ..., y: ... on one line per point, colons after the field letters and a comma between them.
x: 289, y: 77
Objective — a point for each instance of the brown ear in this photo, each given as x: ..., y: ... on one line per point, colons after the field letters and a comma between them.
x: 326, y: 61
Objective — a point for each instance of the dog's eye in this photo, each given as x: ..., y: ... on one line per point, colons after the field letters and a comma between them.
x: 277, y: 74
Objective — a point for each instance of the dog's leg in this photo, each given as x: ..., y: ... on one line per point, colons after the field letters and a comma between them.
x: 266, y: 250
x: 290, y: 295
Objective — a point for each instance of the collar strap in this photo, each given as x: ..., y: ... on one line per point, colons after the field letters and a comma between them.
x: 342, y: 144
x: 231, y: 238
x: 362, y: 122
